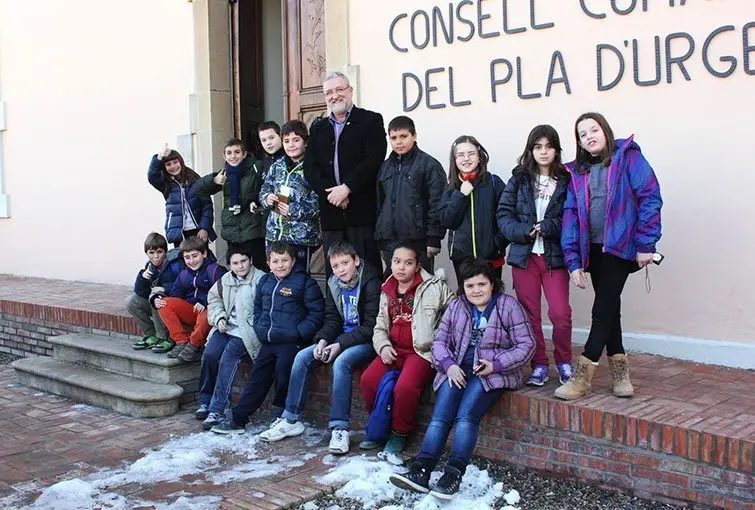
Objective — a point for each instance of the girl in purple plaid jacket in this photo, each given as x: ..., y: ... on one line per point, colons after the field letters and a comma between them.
x: 480, y: 348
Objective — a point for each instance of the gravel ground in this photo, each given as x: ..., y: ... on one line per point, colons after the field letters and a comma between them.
x: 537, y: 491
x: 6, y: 359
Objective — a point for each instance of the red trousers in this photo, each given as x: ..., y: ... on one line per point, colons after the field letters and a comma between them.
x: 183, y: 323
x: 555, y: 284
x: 416, y: 372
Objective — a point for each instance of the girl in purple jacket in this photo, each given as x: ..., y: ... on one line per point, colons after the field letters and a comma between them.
x: 612, y: 221
x: 480, y: 348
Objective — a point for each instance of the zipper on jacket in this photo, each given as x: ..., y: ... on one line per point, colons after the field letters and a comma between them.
x: 608, y: 202
x: 453, y: 238
x: 272, y: 302
x: 474, y: 236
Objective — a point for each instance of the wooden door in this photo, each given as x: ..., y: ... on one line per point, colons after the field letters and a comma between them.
x: 246, y: 34
x: 304, y: 47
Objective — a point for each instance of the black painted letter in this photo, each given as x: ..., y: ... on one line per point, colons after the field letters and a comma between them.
x: 506, y: 28
x: 636, y: 56
x: 438, y: 22
x: 678, y: 60
x: 557, y: 57
x: 424, y: 44
x: 533, y: 23
x: 482, y: 17
x: 418, y: 83
x: 519, y: 91
x: 615, y: 51
x: 494, y: 82
x: 589, y: 12
x: 748, y: 48
x: 390, y: 33
x: 429, y: 88
x: 706, y: 59
x: 465, y: 21
x: 451, y: 94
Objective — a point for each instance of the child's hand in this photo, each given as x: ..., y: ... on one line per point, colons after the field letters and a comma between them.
x: 388, y: 354
x: 199, y: 307
x: 203, y: 235
x: 147, y: 273
x: 483, y: 368
x: 282, y: 209
x: 163, y: 153
x: 331, y: 352
x: 579, y: 279
x: 317, y: 353
x: 466, y: 188
x: 160, y: 303
x: 271, y: 198
x: 222, y: 325
x: 220, y: 178
x: 456, y: 377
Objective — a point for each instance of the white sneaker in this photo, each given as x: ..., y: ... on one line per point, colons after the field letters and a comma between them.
x: 339, y: 442
x: 281, y: 429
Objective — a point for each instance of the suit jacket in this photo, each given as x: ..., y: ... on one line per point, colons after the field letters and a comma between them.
x: 361, y: 150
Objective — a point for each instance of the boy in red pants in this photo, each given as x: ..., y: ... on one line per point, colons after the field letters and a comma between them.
x: 186, y: 306
x: 411, y: 306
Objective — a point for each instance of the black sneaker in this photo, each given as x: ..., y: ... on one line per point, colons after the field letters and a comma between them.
x: 448, y: 485
x: 417, y: 479
x: 202, y: 412
x: 176, y: 350
x: 190, y: 353
x: 213, y: 420
x: 228, y: 427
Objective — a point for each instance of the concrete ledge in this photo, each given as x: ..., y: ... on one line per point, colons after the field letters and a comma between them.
x: 116, y: 355
x: 140, y: 399
x: 699, y: 350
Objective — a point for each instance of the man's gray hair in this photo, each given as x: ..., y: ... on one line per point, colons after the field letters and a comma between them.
x: 336, y: 74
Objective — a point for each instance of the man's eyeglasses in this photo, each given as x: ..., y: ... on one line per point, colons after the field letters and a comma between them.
x: 338, y: 90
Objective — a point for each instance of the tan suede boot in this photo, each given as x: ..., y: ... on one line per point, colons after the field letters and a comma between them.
x: 622, y: 387
x: 580, y: 382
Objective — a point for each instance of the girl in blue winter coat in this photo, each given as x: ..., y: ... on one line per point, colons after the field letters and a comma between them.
x: 187, y: 213
x: 612, y: 221
x: 468, y: 207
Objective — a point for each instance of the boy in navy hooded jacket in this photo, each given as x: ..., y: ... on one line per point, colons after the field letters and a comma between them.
x: 289, y: 310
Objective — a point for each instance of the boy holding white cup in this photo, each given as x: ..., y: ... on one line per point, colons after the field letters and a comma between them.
x: 295, y: 210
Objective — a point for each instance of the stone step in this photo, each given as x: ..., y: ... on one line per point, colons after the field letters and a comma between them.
x: 137, y: 398
x: 116, y: 355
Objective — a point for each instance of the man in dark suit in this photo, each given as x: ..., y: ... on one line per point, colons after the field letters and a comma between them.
x: 344, y: 154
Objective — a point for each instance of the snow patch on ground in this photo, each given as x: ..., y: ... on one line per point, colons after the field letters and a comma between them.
x: 367, y: 481
x: 222, y: 459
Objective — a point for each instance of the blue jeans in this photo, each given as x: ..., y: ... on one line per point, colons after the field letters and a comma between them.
x: 343, y: 370
x: 464, y: 408
x: 219, y: 363
x: 272, y: 366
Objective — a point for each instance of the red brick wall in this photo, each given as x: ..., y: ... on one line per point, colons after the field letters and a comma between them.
x: 24, y: 336
x: 659, y: 462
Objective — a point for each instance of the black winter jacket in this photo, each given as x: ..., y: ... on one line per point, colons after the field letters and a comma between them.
x: 239, y: 228
x: 409, y: 192
x: 517, y: 216
x: 368, y: 304
x: 456, y: 214
x: 361, y: 151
